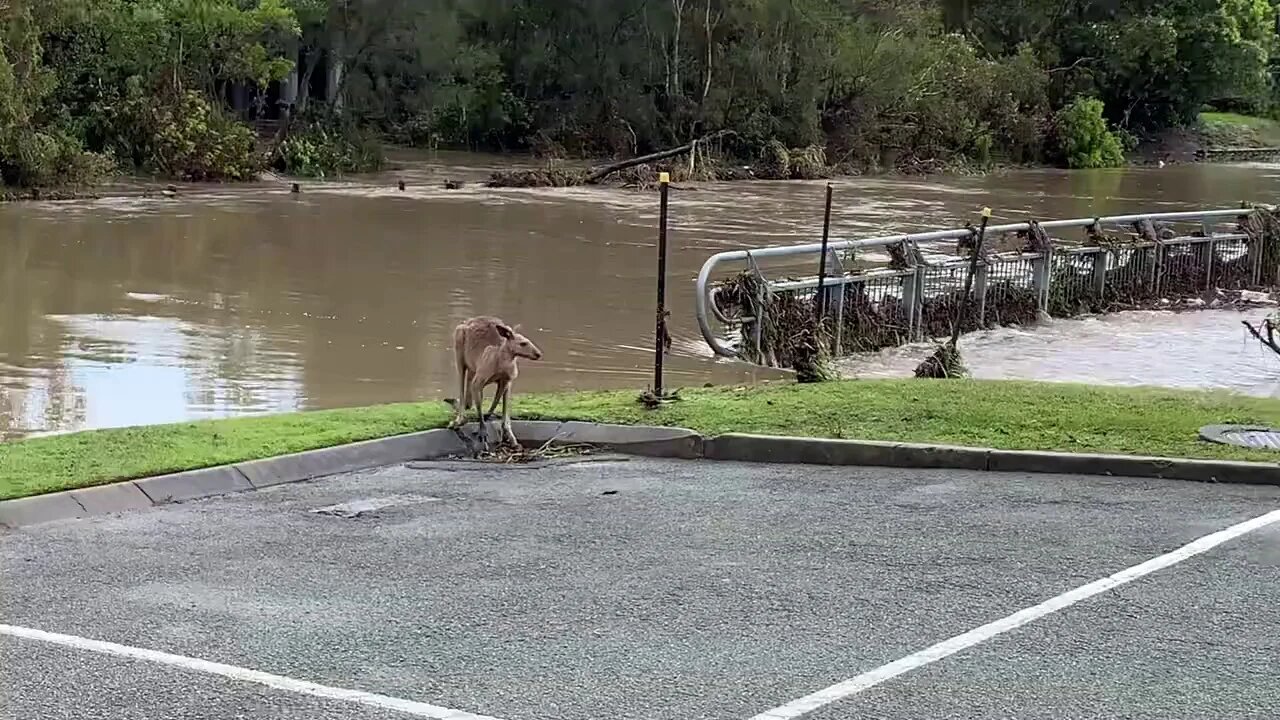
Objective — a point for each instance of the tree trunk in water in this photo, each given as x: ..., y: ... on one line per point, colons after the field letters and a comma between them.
x: 289, y: 87
x: 955, y: 15
x: 678, y: 6
x: 706, y: 86
x: 337, y: 58
x: 1269, y: 341
x: 601, y: 173
x: 239, y: 99
x: 304, y: 83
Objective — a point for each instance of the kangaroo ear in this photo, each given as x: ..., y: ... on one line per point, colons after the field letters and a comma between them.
x: 505, y: 331
x: 518, y: 328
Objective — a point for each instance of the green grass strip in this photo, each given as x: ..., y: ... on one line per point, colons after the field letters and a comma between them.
x: 1000, y: 414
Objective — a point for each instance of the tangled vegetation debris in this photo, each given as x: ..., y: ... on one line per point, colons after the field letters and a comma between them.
x: 944, y: 363
x: 782, y: 330
x: 1148, y: 267
x: 504, y: 454
x: 697, y: 160
x: 867, y: 325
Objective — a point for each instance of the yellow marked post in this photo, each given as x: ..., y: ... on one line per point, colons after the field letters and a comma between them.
x: 664, y: 188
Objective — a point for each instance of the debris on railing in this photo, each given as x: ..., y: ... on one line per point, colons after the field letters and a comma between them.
x: 905, y: 256
x: 867, y: 326
x: 1027, y: 271
x: 1037, y: 239
x: 783, y: 332
x: 945, y: 362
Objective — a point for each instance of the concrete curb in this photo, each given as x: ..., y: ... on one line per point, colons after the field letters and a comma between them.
x: 765, y: 448
x: 812, y: 451
x: 227, y: 479
x: 661, y: 442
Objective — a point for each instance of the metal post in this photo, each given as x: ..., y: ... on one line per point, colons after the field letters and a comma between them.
x: 1254, y: 246
x: 966, y: 302
x: 1100, y: 260
x: 1205, y: 252
x: 821, y: 305
x: 917, y: 292
x: 664, y: 180
x: 908, y: 287
x: 843, y: 289
x: 980, y: 293
x: 1159, y: 252
x: 759, y: 311
x: 1041, y: 274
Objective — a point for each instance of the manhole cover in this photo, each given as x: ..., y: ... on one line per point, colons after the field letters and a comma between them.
x: 1250, y: 436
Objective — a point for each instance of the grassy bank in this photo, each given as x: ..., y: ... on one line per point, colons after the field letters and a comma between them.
x: 1010, y: 415
x: 1231, y: 130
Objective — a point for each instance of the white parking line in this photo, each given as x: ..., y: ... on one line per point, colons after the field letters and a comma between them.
x: 278, y: 682
x: 946, y: 648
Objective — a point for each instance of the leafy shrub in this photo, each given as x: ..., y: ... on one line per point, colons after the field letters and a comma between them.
x: 416, y: 131
x: 183, y: 136
x: 194, y: 141
x: 32, y: 159
x: 34, y: 153
x: 933, y: 98
x: 1083, y: 139
x: 320, y: 151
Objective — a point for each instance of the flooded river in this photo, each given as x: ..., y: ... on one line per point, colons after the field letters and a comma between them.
x: 1195, y: 349
x: 237, y: 300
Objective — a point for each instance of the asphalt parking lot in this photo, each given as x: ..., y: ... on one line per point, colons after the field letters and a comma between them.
x: 654, y: 589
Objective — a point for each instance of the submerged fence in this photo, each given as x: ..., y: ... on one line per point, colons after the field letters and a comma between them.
x: 892, y: 290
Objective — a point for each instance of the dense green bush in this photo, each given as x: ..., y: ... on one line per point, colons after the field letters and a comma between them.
x: 32, y: 159
x: 35, y: 151
x: 195, y: 141
x: 183, y: 137
x: 936, y: 99
x: 320, y: 151
x: 1083, y: 139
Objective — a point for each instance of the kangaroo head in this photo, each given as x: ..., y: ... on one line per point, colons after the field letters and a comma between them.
x: 518, y: 344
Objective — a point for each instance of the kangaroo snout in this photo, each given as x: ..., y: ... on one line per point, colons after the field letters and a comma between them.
x: 522, y: 346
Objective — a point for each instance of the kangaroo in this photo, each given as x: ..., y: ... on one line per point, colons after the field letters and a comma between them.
x: 486, y: 350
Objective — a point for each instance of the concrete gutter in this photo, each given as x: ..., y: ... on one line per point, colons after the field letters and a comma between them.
x: 659, y: 442
x: 227, y: 479
x: 762, y: 448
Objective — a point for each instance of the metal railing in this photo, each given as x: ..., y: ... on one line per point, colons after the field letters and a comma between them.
x: 916, y: 298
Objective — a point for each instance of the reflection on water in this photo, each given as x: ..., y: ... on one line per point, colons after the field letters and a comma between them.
x: 141, y: 370
x: 234, y: 299
x: 1196, y: 349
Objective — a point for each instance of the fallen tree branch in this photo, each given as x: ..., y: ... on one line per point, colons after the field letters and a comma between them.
x: 602, y: 172
x: 1269, y: 340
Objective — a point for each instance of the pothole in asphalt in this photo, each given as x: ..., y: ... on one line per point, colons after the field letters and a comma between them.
x: 369, y: 506
x: 1249, y: 436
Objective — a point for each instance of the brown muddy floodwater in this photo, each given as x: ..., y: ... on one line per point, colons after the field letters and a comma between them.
x: 239, y: 300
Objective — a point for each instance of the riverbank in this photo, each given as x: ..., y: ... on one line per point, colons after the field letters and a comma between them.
x: 1216, y: 132
x: 998, y: 414
x: 1217, y: 138
x: 1232, y: 130
x: 8, y: 194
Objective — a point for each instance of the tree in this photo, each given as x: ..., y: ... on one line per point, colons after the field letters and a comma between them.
x: 919, y: 83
